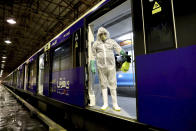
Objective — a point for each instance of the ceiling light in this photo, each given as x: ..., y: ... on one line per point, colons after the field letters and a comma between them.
x: 7, y: 41
x: 11, y: 21
x: 4, y: 57
x: 3, y: 61
x: 1, y: 72
x: 2, y: 65
x: 127, y: 36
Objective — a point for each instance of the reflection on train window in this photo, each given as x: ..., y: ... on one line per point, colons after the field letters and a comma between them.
x: 20, y: 74
x: 26, y: 77
x: 18, y: 78
x: 14, y: 79
x: 41, y: 74
x: 21, y: 77
x: 62, y: 57
x: 62, y: 60
x: 118, y: 22
x: 32, y: 75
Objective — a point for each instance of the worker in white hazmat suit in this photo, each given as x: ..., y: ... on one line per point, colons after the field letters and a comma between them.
x: 103, y: 53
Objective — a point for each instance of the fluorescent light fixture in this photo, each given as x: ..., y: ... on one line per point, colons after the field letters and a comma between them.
x: 1, y: 72
x: 4, y: 57
x: 2, y: 65
x: 11, y: 21
x: 7, y: 41
x: 127, y: 36
x: 3, y: 61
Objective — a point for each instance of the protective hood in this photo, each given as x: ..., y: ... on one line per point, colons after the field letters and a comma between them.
x: 102, y: 30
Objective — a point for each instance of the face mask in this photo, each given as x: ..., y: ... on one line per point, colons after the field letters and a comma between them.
x: 103, y: 37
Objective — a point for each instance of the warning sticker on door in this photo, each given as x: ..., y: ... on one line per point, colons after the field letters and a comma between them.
x: 156, y: 8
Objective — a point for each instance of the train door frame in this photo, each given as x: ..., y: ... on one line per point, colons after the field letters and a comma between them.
x: 51, y: 53
x: 28, y: 79
x: 23, y: 73
x: 21, y: 70
x: 137, y: 23
x: 25, y: 76
x: 34, y: 61
x: 12, y: 79
x: 38, y: 73
x: 47, y: 70
x: 18, y: 78
x: 77, y: 53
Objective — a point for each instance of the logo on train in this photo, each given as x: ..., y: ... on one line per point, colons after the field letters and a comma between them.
x: 63, y: 86
x: 67, y: 34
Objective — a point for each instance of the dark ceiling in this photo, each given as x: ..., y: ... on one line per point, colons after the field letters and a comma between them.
x: 38, y: 21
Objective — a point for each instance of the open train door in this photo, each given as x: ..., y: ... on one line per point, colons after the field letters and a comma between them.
x: 116, y: 17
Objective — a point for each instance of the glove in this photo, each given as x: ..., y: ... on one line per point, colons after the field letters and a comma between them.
x: 122, y: 52
x: 92, y: 64
x: 126, y: 56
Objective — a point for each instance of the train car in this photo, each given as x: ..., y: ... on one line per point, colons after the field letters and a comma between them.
x: 157, y: 92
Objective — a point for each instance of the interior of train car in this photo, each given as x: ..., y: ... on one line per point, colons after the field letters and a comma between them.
x: 118, y: 22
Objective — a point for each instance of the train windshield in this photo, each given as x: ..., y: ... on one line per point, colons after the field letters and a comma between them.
x: 111, y: 45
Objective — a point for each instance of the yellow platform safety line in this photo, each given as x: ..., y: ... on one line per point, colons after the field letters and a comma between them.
x: 51, y: 124
x: 156, y: 8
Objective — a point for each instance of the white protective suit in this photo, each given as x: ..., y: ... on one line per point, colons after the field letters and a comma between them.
x: 103, y: 53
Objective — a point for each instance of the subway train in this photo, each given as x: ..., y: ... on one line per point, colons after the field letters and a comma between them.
x: 157, y: 93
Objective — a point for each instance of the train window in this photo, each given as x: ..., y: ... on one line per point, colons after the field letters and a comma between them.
x: 104, y: 84
x: 32, y: 75
x: 18, y: 78
x: 62, y: 57
x: 21, y: 77
x: 62, y: 60
x: 77, y: 48
x: 26, y: 77
x: 159, y: 31
x: 41, y: 74
x: 14, y: 79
